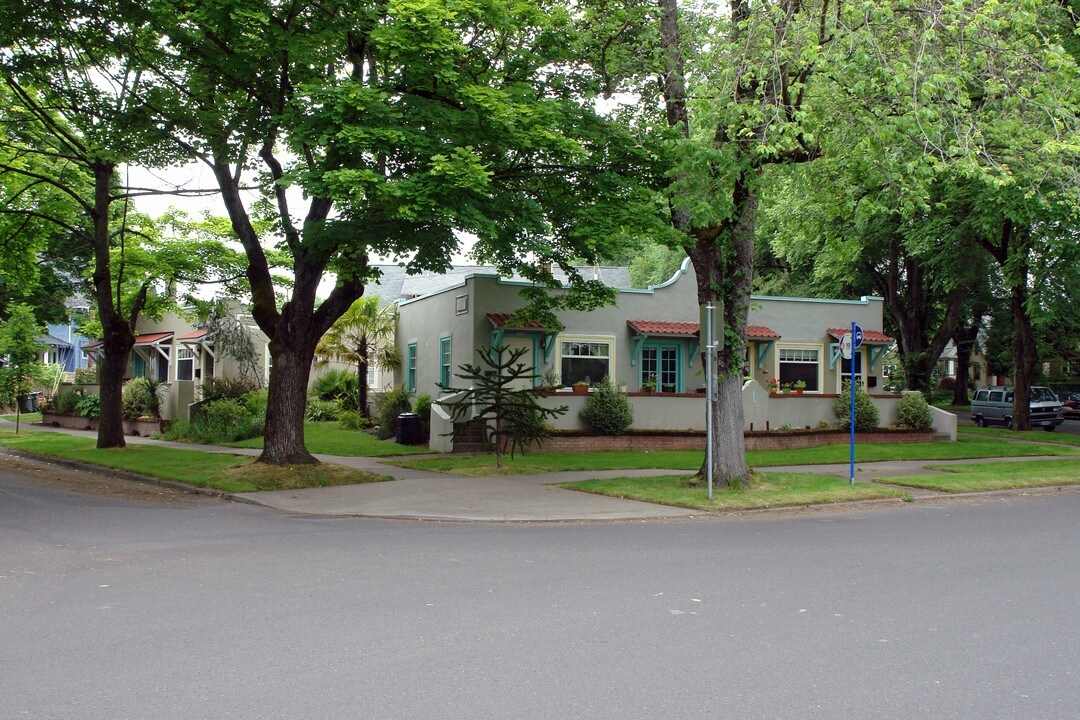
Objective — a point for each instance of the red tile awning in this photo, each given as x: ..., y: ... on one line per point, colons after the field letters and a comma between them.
x: 760, y: 332
x: 140, y: 340
x: 661, y: 327
x: 499, y: 320
x: 193, y: 335
x: 686, y: 329
x: 868, y: 336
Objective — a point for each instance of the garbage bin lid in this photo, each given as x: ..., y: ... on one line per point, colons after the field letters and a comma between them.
x: 408, y: 414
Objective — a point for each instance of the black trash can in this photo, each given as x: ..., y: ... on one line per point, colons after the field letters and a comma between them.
x: 29, y: 404
x: 409, y: 429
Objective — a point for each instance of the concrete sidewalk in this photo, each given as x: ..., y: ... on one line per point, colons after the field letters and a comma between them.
x: 421, y: 494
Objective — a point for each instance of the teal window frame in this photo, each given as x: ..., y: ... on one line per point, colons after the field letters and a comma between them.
x: 445, y: 359
x: 660, y: 346
x: 410, y: 368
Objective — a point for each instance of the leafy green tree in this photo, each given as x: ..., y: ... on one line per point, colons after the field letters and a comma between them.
x: 363, y: 337
x: 20, y: 345
x: 496, y: 393
x: 402, y: 124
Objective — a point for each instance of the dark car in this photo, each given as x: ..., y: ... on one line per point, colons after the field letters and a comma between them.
x: 1070, y: 404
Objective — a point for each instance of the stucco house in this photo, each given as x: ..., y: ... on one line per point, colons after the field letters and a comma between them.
x: 649, y: 333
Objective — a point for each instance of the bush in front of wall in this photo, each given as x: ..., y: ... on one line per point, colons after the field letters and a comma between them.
x: 607, y: 410
x: 339, y: 385
x: 234, y: 388
x: 394, y: 403
x: 322, y: 410
x: 86, y: 376
x: 89, y: 406
x: 866, y: 413
x: 140, y: 399
x: 65, y: 402
x: 912, y: 411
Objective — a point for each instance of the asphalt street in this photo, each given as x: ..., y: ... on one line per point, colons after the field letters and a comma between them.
x: 180, y: 607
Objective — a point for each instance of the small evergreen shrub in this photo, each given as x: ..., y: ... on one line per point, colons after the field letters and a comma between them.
x: 89, y: 406
x: 65, y: 402
x: 422, y: 407
x: 352, y: 420
x: 866, y: 414
x: 607, y: 410
x: 86, y: 376
x: 394, y: 403
x: 140, y: 399
x: 322, y: 410
x: 912, y: 411
x: 234, y: 388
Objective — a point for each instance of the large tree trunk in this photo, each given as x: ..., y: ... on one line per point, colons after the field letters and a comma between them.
x: 286, y: 402
x: 963, y: 370
x: 1025, y: 355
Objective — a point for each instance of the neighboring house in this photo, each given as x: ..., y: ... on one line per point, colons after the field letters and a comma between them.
x: 64, y: 346
x: 177, y: 352
x: 649, y: 333
x: 979, y: 375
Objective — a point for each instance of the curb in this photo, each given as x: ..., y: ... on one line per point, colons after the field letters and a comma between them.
x: 126, y: 475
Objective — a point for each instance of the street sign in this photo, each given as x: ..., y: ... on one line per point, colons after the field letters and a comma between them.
x: 845, y: 346
x: 858, y: 336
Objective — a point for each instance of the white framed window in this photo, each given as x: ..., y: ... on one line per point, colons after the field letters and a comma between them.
x: 587, y: 359
x: 795, y: 363
x: 185, y: 364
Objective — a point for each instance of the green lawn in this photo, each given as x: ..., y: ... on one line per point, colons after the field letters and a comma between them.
x: 1057, y: 437
x: 995, y: 476
x: 328, y: 438
x: 229, y: 473
x: 541, y: 462
x: 24, y: 417
x: 768, y: 490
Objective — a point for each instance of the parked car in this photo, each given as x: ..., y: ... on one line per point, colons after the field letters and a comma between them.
x: 1070, y: 403
x: 995, y: 405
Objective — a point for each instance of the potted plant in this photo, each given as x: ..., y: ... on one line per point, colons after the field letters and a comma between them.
x: 800, y: 385
x: 786, y: 387
x: 581, y: 388
x: 773, y: 384
x: 550, y: 380
x: 648, y: 385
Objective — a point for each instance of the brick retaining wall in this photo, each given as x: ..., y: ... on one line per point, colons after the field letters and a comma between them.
x: 568, y: 442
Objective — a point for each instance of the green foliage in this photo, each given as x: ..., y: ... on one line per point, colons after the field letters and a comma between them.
x: 422, y: 407
x: 89, y: 406
x: 140, y: 399
x: 495, y: 393
x: 607, y: 410
x: 912, y: 411
x: 337, y: 385
x: 222, y: 420
x: 20, y: 343
x: 65, y: 401
x: 322, y: 410
x: 234, y: 388
x: 86, y: 376
x: 352, y: 420
x: 394, y: 402
x: 866, y: 413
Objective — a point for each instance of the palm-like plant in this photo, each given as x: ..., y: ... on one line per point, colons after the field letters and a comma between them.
x: 364, y: 337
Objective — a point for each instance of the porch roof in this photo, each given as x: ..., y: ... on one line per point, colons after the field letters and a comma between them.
x: 499, y: 320
x: 691, y: 329
x: 869, y: 336
x: 193, y: 335
x: 140, y: 340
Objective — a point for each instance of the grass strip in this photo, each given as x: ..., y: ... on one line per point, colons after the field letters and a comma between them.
x: 33, y: 417
x: 541, y: 462
x: 994, y: 476
x: 228, y: 473
x: 766, y: 490
x: 328, y: 438
x: 1058, y: 438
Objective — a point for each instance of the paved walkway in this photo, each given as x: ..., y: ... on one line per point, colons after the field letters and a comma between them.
x: 421, y: 494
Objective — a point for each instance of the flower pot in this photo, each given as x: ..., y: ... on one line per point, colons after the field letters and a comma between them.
x: 581, y: 389
x: 799, y: 391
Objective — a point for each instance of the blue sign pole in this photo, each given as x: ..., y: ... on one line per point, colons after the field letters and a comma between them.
x: 851, y: 418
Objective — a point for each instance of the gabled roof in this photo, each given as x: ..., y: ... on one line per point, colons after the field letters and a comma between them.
x: 53, y: 341
x: 870, y: 336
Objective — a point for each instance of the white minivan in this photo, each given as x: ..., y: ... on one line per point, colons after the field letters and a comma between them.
x: 995, y: 405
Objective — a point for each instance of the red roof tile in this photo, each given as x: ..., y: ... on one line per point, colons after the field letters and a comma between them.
x: 760, y: 332
x: 194, y: 335
x: 868, y: 335
x: 660, y: 327
x: 152, y: 338
x: 499, y: 320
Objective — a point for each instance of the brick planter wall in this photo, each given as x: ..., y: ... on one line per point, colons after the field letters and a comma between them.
x: 144, y: 428
x: 780, y: 440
